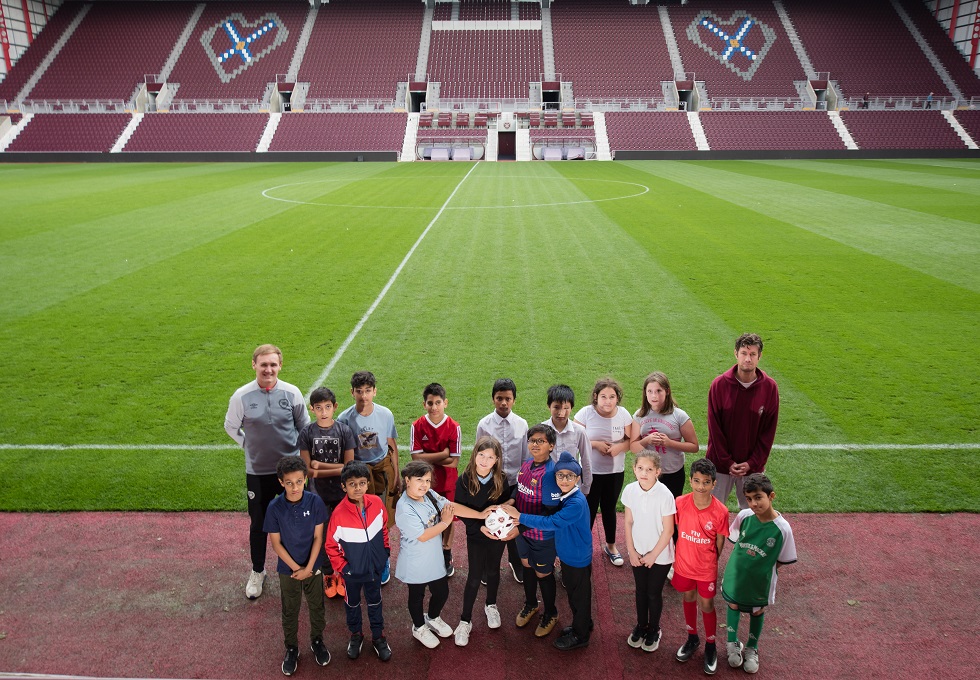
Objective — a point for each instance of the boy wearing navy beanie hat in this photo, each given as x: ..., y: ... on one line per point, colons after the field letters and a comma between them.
x: 573, y: 542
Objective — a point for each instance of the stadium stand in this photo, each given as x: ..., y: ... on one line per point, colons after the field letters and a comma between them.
x: 641, y: 130
x: 73, y: 132
x: 340, y: 132
x: 219, y: 132
x: 954, y: 62
x: 114, y: 46
x: 32, y: 58
x: 865, y: 47
x: 901, y: 130
x: 726, y: 70
x: 208, y: 68
x: 354, y: 55
x: 484, y: 10
x: 529, y: 11
x: 485, y: 63
x: 970, y: 120
x: 623, y: 54
x: 783, y: 130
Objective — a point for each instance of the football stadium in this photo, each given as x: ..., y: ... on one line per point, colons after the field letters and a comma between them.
x: 555, y: 192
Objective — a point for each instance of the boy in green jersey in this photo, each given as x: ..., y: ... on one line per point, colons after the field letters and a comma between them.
x: 763, y: 540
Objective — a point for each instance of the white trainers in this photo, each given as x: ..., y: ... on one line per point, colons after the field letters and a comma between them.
x: 425, y: 636
x: 735, y: 654
x: 751, y: 662
x: 463, y: 633
x: 493, y: 616
x: 254, y: 586
x: 440, y: 627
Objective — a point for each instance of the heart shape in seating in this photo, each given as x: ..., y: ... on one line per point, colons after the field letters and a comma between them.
x: 741, y: 43
x: 234, y: 44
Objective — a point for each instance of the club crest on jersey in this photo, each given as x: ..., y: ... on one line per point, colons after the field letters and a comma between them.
x: 284, y: 403
x: 740, y: 44
x: 771, y: 542
x: 762, y: 410
x: 234, y: 44
x: 709, y: 526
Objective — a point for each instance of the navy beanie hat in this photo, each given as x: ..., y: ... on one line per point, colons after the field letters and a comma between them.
x: 567, y: 462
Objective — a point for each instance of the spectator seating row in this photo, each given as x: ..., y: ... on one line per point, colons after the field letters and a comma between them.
x: 72, y: 132
x: 498, y: 64
x: 340, y: 132
x: 783, y: 130
x: 198, y: 132
x: 25, y: 67
x: 901, y: 130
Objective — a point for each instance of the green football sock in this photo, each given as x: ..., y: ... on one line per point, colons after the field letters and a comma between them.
x: 732, y: 621
x: 755, y: 630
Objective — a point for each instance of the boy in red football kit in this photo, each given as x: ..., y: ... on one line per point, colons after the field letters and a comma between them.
x: 435, y: 439
x: 702, y: 525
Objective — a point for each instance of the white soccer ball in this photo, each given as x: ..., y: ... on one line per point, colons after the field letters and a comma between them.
x: 499, y: 523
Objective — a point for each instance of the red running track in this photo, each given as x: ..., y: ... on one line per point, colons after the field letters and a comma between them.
x: 160, y: 595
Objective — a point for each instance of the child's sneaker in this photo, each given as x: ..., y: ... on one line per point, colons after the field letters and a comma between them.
x: 320, y: 653
x: 329, y: 586
x: 635, y: 640
x: 440, y: 627
x: 386, y: 573
x: 710, y: 659
x: 751, y: 661
x: 735, y: 654
x: 425, y: 636
x: 546, y: 625
x: 381, y: 648
x: 493, y: 616
x: 254, y: 586
x: 525, y: 615
x: 341, y: 588
x: 354, y: 646
x: 687, y: 651
x: 651, y: 641
x: 463, y: 633
x: 291, y: 661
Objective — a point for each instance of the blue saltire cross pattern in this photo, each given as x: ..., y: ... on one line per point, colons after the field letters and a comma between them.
x: 240, y: 46
x: 733, y: 42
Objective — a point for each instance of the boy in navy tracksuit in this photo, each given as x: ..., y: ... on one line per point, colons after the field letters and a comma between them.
x: 573, y: 541
x: 357, y: 544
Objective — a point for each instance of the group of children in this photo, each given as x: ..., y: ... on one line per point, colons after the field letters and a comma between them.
x: 551, y: 478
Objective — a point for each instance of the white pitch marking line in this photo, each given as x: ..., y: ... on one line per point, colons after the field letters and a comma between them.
x: 233, y: 447
x: 384, y: 291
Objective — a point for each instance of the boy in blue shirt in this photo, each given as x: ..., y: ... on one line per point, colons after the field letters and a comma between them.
x: 573, y: 542
x: 294, y: 522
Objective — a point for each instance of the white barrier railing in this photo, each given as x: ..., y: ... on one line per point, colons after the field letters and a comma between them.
x: 616, y: 104
x: 488, y: 104
x: 350, y: 105
x: 753, y: 104
x: 75, y: 106
x: 215, y: 106
x: 903, y: 103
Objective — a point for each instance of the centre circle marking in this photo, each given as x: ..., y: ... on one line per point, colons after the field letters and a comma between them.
x: 643, y: 189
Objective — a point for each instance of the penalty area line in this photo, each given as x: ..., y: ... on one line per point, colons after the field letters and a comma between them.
x: 384, y: 291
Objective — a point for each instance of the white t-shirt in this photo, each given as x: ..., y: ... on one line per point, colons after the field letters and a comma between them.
x: 649, y: 509
x: 600, y: 428
x: 670, y: 424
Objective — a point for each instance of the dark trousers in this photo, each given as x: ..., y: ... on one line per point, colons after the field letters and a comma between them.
x: 578, y: 586
x: 416, y: 594
x: 261, y: 490
x: 292, y: 592
x: 650, y: 595
x: 372, y: 595
x: 480, y: 553
x: 674, y: 481
x: 603, y: 496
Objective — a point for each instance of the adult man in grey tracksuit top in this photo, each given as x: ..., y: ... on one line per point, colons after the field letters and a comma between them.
x: 265, y: 418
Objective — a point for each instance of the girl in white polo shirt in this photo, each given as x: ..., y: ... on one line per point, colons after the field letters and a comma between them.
x: 649, y: 527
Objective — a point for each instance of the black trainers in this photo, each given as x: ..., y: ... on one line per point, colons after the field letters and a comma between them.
x: 569, y: 642
x: 320, y: 653
x: 354, y: 646
x: 710, y: 659
x: 291, y: 660
x: 635, y: 640
x: 687, y: 651
x: 381, y: 648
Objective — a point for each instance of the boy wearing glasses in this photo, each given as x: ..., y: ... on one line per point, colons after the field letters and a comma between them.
x: 573, y: 540
x: 538, y: 494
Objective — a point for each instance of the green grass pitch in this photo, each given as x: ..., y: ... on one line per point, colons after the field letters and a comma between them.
x: 134, y: 295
